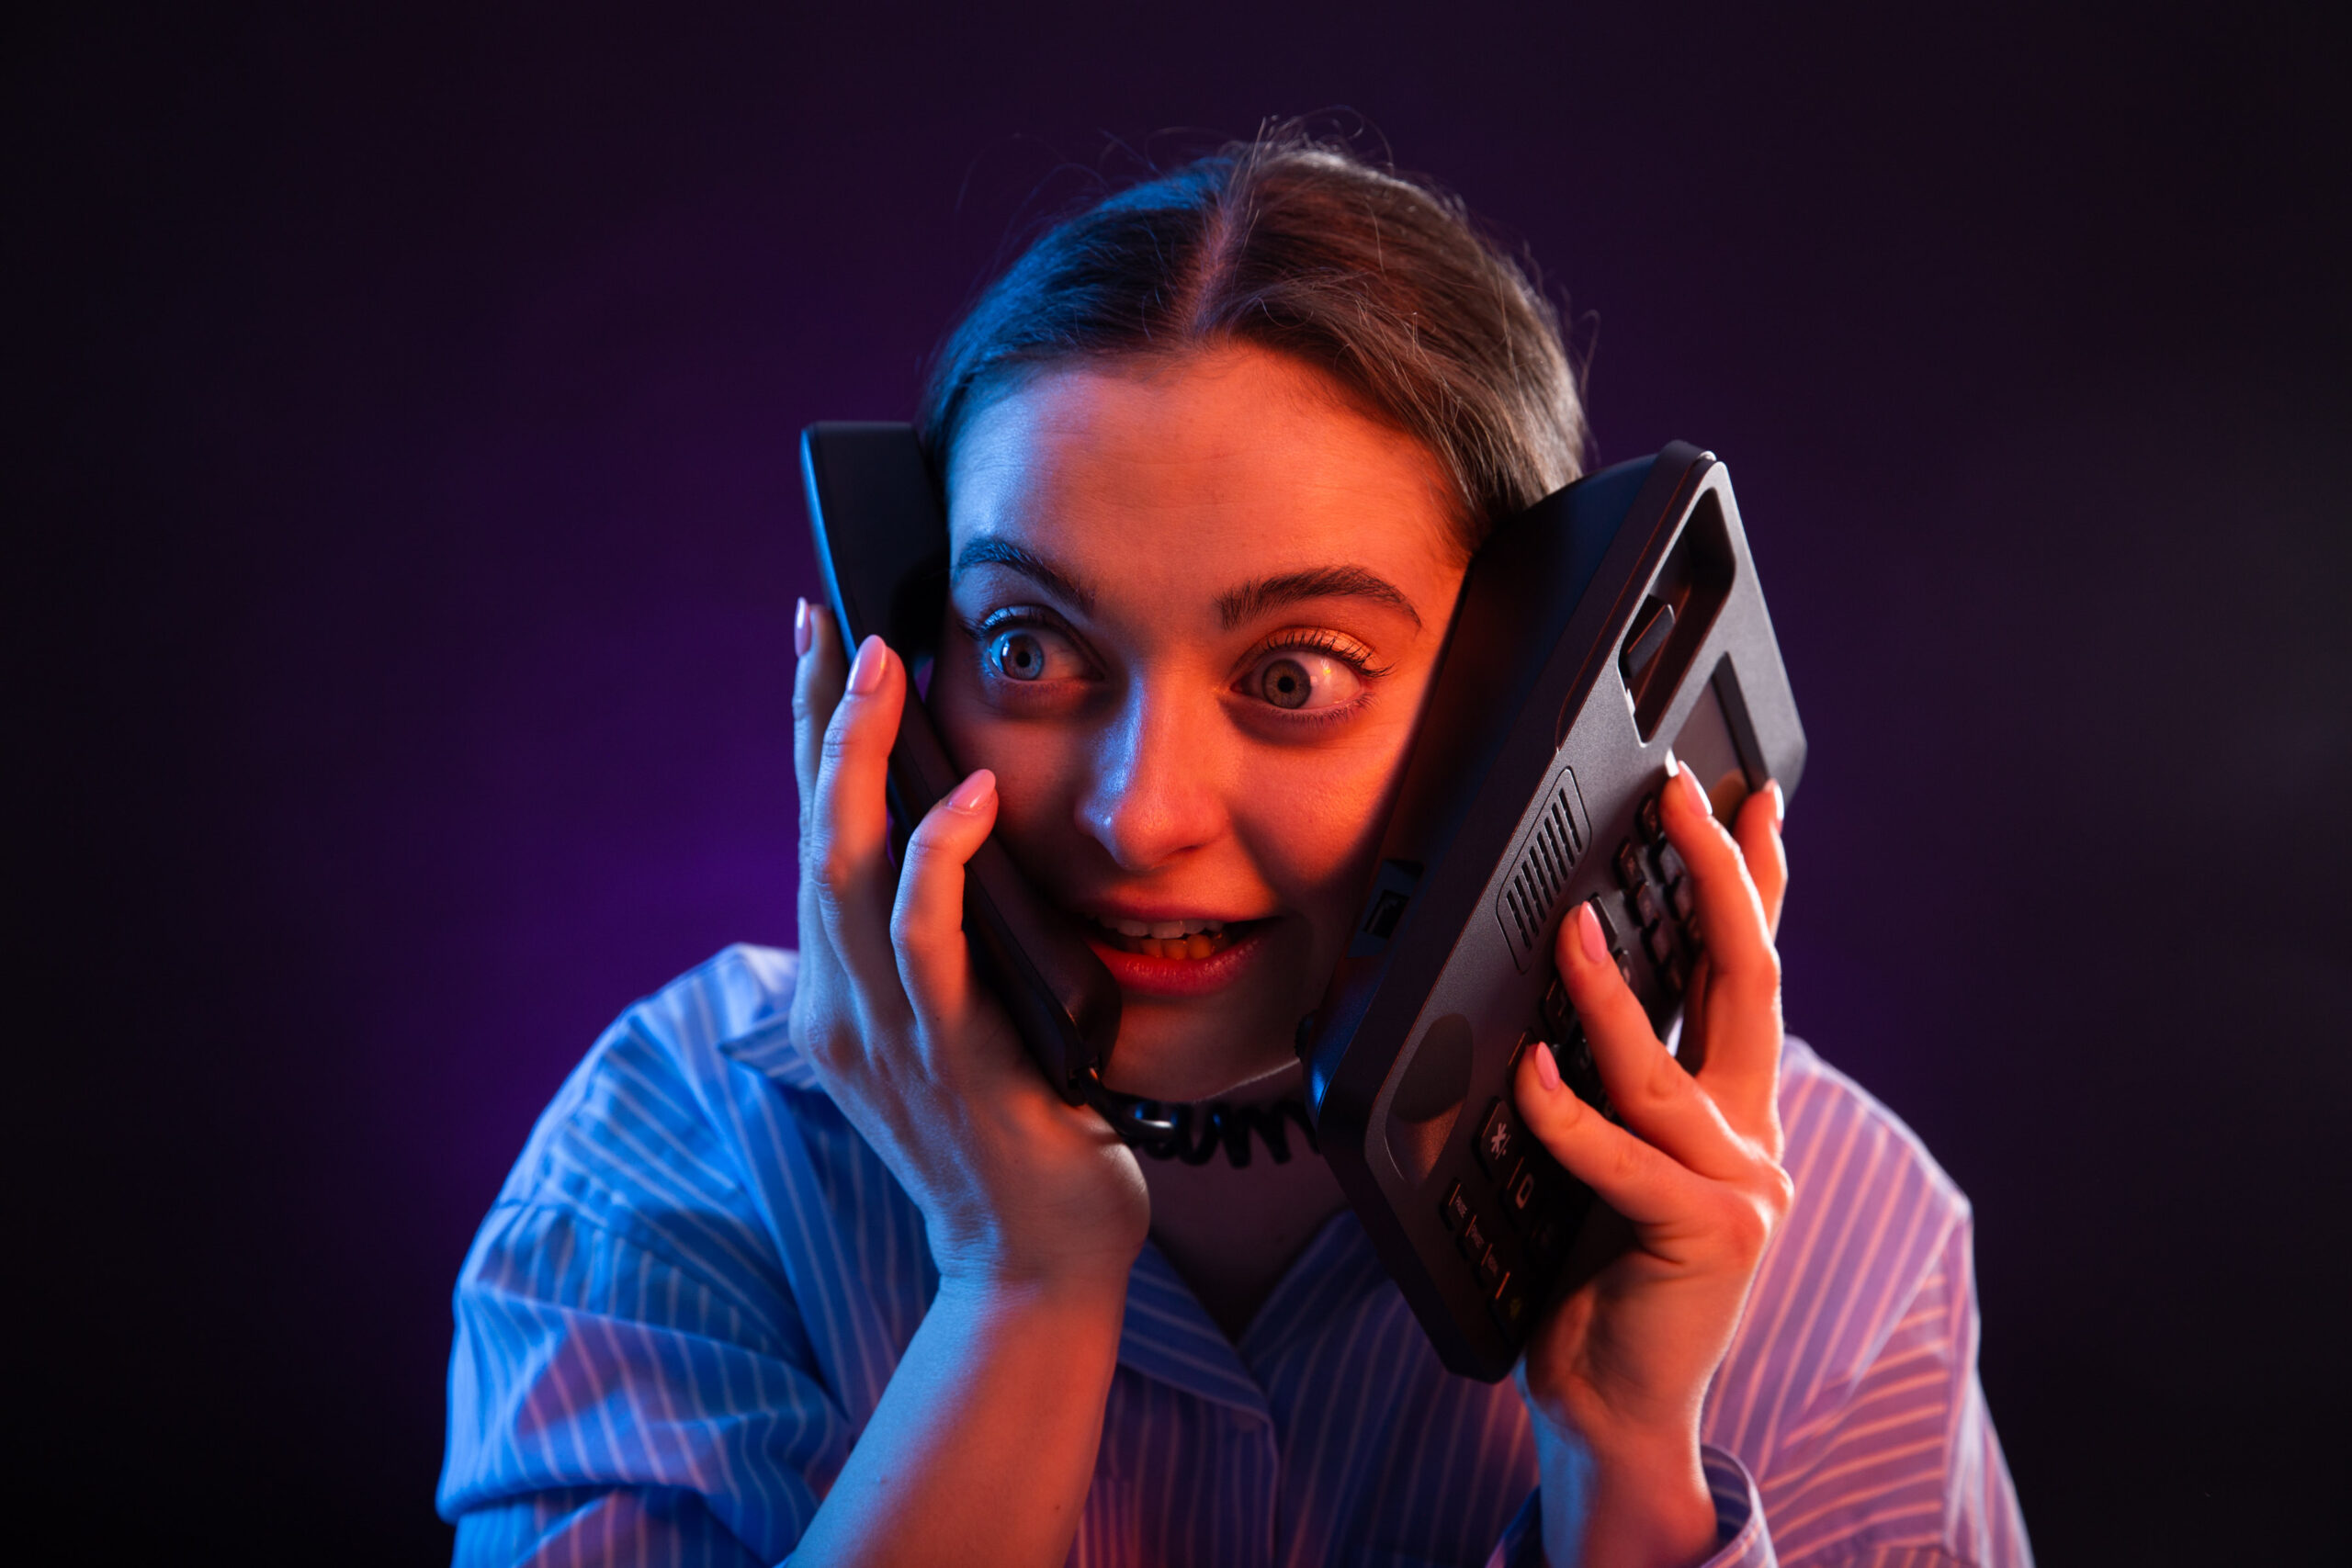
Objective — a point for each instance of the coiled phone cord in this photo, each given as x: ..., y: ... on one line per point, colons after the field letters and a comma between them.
x: 1195, y: 1133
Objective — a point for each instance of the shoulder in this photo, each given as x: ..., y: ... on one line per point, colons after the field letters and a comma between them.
x: 1874, y: 1214
x: 1876, y: 1229
x: 657, y: 1116
x: 1844, y: 1148
x: 693, y: 1138
x: 1851, y: 1391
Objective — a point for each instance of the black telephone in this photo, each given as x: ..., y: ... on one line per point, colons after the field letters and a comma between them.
x: 1613, y: 619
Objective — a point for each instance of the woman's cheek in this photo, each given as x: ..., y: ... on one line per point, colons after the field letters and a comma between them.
x: 1027, y: 758
x: 1314, y: 834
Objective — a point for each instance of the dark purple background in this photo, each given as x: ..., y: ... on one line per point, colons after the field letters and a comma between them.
x: 408, y: 529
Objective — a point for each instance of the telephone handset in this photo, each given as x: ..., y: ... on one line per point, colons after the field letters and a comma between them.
x: 882, y: 544
x: 1611, y: 622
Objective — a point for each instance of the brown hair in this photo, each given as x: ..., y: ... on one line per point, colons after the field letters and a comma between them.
x: 1298, y: 246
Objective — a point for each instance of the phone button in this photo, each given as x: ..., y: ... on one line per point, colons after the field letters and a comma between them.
x: 1474, y: 1240
x: 1520, y: 1194
x: 1511, y: 1303
x: 1456, y: 1208
x: 1608, y: 926
x: 1498, y: 1140
x: 1491, y: 1272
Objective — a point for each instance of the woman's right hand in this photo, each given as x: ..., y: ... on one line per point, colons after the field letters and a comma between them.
x: 1015, y: 1186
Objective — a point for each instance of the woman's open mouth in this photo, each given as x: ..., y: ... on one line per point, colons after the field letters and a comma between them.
x: 1176, y: 958
x: 1168, y: 938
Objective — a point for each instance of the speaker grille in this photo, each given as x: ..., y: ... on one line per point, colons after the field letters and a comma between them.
x: 1534, y: 886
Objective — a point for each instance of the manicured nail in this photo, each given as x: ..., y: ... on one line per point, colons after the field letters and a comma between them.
x: 1695, y: 795
x: 1547, y: 1071
x: 866, y: 672
x: 973, y: 793
x: 1673, y: 763
x: 1589, y: 937
x: 1779, y: 804
x: 800, y: 630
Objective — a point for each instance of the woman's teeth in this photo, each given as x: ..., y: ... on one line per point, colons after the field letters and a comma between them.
x: 1166, y: 939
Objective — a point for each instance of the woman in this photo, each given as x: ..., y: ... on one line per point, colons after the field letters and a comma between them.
x: 806, y: 1259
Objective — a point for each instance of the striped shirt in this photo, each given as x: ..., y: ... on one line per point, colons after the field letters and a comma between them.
x: 687, y: 1300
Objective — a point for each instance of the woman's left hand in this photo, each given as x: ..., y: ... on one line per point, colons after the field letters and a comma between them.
x: 1616, y: 1373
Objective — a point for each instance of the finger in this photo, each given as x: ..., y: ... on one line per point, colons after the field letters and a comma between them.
x: 817, y: 690
x: 927, y: 922
x: 1691, y: 1051
x: 1644, y: 1184
x: 1742, y: 1045
x: 1757, y: 831
x: 1659, y: 1100
x: 819, y: 671
x: 847, y: 859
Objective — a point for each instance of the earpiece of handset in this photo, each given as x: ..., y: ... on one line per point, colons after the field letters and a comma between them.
x: 1062, y: 1000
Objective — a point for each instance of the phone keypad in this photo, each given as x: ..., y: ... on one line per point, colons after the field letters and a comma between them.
x: 1515, y: 1226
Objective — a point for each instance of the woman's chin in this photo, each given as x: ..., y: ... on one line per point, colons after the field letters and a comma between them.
x: 1219, y: 1026
x: 1180, y: 1072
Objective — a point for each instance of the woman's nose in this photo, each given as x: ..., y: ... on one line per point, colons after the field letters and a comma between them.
x: 1152, y: 795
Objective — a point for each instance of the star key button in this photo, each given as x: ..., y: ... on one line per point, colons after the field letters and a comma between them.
x: 1498, y: 1141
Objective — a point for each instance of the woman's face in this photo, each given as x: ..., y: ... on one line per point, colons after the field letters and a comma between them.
x: 1193, y: 611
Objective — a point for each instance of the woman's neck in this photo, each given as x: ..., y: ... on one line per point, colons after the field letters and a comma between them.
x: 1231, y: 1234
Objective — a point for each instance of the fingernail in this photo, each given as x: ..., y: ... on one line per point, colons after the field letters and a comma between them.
x: 1673, y: 764
x: 1779, y: 804
x: 1547, y: 1071
x: 866, y: 672
x: 1696, y: 796
x: 800, y: 630
x: 973, y: 793
x: 1589, y: 937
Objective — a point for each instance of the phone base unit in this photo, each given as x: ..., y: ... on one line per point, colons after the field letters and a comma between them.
x: 1615, y: 621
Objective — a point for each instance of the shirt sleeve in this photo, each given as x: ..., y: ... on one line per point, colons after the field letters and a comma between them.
x: 610, y: 1401
x: 633, y: 1524
x: 1905, y: 1467
x: 1739, y: 1521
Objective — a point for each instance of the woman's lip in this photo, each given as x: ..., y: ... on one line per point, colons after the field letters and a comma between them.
x: 1159, y: 917
x: 1140, y: 975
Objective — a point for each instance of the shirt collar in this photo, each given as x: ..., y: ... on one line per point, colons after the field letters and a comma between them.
x: 1167, y: 1334
x: 769, y: 1049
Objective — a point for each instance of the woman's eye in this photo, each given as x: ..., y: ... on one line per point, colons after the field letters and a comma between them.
x: 1302, y: 678
x: 1031, y: 653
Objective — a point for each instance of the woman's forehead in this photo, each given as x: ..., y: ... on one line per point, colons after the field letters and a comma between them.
x: 1230, y: 463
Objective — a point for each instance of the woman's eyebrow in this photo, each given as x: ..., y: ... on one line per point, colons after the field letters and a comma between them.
x: 985, y: 551
x: 1251, y: 599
